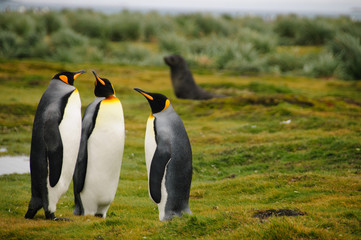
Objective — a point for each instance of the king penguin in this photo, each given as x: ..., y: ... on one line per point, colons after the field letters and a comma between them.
x: 54, y: 144
x: 97, y: 170
x: 168, y: 156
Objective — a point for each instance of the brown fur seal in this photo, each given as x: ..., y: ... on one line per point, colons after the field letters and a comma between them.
x: 183, y: 82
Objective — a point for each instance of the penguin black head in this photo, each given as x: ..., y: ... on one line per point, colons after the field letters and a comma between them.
x: 157, y: 101
x: 68, y: 77
x: 103, y: 87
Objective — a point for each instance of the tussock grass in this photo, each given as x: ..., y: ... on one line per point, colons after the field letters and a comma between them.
x: 277, y: 142
x: 245, y: 45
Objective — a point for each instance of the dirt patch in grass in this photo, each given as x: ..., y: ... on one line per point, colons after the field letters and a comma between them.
x: 264, y: 214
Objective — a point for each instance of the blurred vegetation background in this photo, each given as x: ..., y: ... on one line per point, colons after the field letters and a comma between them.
x: 316, y: 47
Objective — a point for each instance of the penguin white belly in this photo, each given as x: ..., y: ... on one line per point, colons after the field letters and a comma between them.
x: 70, y: 132
x: 163, y: 199
x: 105, y: 153
x: 150, y: 144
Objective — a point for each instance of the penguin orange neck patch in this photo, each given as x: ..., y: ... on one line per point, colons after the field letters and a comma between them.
x: 111, y: 98
x: 167, y: 103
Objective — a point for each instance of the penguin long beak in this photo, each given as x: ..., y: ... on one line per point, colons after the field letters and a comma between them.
x: 145, y: 94
x: 76, y: 74
x: 98, y: 78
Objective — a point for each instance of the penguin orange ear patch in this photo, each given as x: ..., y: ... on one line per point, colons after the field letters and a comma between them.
x: 64, y: 78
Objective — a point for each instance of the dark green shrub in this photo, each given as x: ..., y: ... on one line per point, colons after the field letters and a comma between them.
x: 53, y: 21
x: 67, y: 38
x: 244, y: 66
x: 351, y: 27
x: 198, y: 46
x: 8, y: 44
x: 208, y: 24
x: 93, y: 54
x: 286, y: 62
x: 241, y: 57
x: 228, y: 54
x: 237, y: 56
x: 257, y: 24
x: 154, y: 25
x: 324, y: 65
x: 89, y: 23
x: 185, y: 26
x: 130, y: 54
x: 344, y: 24
x: 173, y: 44
x: 68, y: 46
x: 314, y: 32
x: 200, y: 25
x: 124, y: 27
x: 263, y: 43
x: 20, y: 24
x: 286, y: 28
x: 294, y: 30
x: 75, y: 54
x: 32, y: 46
x: 347, y: 49
x: 150, y: 30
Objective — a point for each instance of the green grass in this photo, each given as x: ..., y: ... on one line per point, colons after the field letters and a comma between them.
x: 278, y: 142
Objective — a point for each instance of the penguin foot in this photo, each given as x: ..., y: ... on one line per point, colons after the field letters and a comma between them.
x: 99, y: 215
x: 30, y: 213
x: 169, y: 215
x: 34, y: 206
x: 77, y: 211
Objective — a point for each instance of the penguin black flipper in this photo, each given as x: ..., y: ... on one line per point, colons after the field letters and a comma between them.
x: 161, y: 157
x: 88, y: 124
x: 54, y: 148
x: 79, y: 174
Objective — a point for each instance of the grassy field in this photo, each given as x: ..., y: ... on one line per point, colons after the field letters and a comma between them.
x: 277, y: 142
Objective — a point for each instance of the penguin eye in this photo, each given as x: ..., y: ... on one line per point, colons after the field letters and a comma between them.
x: 64, y: 78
